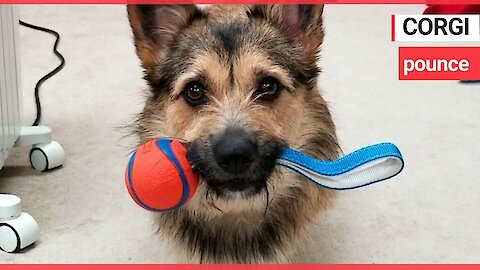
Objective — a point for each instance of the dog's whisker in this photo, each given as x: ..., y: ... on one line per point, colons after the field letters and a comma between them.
x: 173, y: 138
x: 215, y: 101
x: 267, y: 199
x: 210, y: 200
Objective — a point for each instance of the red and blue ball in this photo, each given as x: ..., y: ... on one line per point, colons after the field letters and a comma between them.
x: 159, y: 177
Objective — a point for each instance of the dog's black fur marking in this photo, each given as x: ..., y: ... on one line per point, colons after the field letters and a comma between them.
x: 229, y: 34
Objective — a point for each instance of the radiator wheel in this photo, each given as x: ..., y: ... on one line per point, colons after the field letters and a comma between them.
x: 18, y: 233
x: 18, y: 229
x: 47, y: 156
x: 8, y: 239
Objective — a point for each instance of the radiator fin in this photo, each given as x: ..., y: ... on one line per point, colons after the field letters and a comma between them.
x: 10, y: 95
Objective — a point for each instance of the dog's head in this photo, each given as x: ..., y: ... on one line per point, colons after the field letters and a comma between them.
x: 237, y: 83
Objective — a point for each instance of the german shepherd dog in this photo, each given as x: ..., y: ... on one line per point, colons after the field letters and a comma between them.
x: 238, y: 83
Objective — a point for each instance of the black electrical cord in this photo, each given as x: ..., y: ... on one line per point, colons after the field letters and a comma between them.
x: 51, y: 73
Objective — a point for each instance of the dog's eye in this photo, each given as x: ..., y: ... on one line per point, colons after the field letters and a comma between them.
x: 268, y: 89
x: 194, y: 94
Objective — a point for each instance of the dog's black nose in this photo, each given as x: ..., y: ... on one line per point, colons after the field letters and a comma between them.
x: 235, y: 152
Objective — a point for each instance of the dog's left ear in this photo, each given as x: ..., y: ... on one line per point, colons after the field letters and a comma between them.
x: 303, y: 23
x: 155, y: 26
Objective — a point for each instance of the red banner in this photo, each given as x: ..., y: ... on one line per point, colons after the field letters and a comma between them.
x: 439, y: 63
x: 238, y: 267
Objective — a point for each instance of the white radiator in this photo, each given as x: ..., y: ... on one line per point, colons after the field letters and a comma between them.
x: 10, y: 95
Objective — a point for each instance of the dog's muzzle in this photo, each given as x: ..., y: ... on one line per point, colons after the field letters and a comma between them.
x: 234, y: 161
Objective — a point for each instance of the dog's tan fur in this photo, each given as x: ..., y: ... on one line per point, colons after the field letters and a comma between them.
x: 209, y: 228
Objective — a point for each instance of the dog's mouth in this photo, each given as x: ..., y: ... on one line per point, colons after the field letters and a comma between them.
x: 236, y: 187
x: 232, y: 187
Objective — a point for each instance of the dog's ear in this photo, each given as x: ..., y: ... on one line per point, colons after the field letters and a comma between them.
x: 155, y: 26
x: 303, y: 23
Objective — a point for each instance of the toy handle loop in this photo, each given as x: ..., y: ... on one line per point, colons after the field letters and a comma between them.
x: 363, y: 167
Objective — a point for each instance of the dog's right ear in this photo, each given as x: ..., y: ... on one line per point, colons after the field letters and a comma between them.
x: 155, y: 26
x: 303, y: 23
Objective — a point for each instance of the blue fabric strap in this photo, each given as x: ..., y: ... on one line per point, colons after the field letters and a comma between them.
x: 363, y: 167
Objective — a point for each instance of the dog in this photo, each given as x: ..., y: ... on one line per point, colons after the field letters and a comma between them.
x: 237, y: 83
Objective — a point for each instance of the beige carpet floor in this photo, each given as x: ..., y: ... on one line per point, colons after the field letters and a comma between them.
x: 428, y: 214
